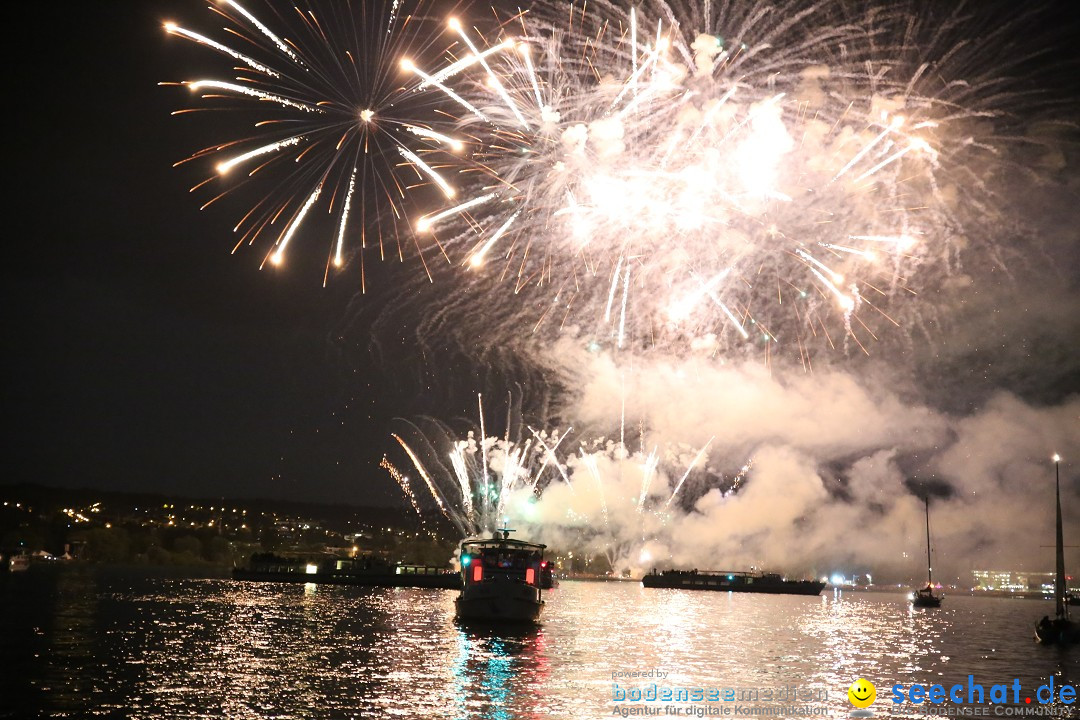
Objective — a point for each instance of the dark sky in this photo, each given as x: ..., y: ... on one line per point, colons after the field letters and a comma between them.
x: 141, y: 355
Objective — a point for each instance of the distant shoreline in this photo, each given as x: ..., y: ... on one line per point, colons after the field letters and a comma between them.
x: 217, y: 571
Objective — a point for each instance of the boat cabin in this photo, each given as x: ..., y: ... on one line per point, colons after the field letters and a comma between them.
x: 500, y: 557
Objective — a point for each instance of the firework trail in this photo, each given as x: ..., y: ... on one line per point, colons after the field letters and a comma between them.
x: 325, y: 123
x: 472, y: 479
x: 593, y: 495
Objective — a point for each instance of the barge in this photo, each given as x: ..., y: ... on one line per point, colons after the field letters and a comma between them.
x: 730, y: 581
x: 370, y: 572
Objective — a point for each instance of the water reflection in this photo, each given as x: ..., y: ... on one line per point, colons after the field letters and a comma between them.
x: 865, y: 636
x: 501, y: 673
x: 90, y: 643
x: 50, y: 640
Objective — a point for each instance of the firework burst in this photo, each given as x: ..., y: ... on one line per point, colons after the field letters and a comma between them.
x: 333, y: 125
x: 715, y: 175
x: 732, y: 177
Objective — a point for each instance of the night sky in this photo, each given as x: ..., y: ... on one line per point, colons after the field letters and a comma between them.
x: 142, y: 355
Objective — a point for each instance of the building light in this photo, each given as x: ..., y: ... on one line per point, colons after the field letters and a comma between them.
x: 312, y: 569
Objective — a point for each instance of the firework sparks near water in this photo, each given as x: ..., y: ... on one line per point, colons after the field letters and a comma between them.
x: 609, y: 498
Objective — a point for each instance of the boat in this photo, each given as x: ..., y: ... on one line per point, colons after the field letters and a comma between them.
x: 501, y: 580
x: 19, y: 563
x: 925, y: 597
x: 547, y: 576
x: 1061, y: 630
x: 730, y: 581
x: 363, y: 571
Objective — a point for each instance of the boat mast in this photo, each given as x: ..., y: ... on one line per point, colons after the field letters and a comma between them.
x: 929, y: 571
x: 1059, y: 581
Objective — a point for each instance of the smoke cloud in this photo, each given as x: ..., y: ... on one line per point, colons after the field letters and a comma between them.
x: 837, y: 469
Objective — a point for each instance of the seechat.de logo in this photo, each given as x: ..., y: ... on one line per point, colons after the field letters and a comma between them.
x: 862, y: 695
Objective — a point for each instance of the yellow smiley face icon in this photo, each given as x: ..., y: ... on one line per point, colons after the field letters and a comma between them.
x: 862, y: 693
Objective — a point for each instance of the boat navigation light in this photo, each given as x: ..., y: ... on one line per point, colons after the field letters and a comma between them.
x: 465, y: 560
x: 1057, y: 458
x: 730, y: 577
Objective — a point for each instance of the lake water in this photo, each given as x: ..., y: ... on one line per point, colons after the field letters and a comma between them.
x: 84, y: 643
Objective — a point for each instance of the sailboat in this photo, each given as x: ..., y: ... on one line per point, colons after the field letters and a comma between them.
x: 925, y: 597
x: 1061, y: 630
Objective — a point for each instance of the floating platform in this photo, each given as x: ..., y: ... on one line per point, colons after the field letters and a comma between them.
x: 270, y: 568
x: 730, y: 581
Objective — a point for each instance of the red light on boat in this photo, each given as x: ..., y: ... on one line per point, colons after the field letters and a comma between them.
x: 477, y: 572
x: 530, y: 576
x: 543, y: 563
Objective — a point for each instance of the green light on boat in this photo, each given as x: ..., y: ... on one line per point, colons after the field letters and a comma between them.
x: 465, y: 560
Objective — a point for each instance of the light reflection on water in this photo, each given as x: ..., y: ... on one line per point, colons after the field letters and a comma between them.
x: 86, y: 643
